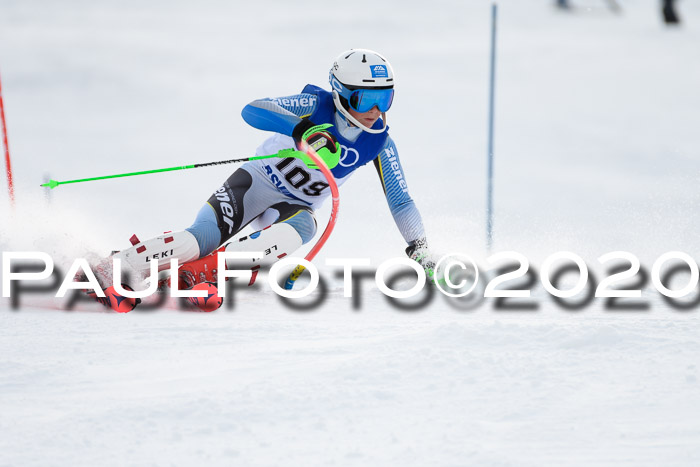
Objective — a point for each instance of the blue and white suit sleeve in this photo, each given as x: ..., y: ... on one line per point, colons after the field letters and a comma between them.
x: 279, y: 114
x: 402, y: 207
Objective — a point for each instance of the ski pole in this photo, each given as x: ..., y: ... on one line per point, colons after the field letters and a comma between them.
x: 335, y: 194
x: 8, y: 166
x: 282, y: 153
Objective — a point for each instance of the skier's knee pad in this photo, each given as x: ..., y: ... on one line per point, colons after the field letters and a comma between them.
x: 206, y: 230
x: 304, y: 223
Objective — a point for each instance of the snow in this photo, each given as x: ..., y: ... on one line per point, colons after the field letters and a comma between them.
x: 596, y: 151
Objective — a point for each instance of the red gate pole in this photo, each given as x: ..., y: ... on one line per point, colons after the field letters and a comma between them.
x: 8, y: 166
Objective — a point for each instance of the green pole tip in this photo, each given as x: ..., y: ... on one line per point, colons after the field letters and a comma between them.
x: 51, y: 184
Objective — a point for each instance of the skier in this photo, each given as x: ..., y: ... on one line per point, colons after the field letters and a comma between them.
x: 279, y: 198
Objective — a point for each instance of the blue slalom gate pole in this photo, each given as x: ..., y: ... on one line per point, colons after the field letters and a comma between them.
x: 489, y: 194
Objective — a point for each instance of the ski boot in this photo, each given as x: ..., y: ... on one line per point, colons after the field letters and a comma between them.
x: 112, y: 299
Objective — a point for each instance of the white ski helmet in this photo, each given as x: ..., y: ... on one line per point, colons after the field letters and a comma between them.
x: 362, y: 79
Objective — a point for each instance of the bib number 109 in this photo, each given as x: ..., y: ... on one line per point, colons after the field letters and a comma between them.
x: 298, y: 177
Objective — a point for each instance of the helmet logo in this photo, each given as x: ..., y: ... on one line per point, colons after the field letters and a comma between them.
x: 379, y: 71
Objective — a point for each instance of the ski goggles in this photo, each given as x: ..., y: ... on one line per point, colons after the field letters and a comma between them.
x: 364, y: 100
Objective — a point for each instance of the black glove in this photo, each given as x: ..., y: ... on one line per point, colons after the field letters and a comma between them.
x: 315, y: 136
x: 418, y: 251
